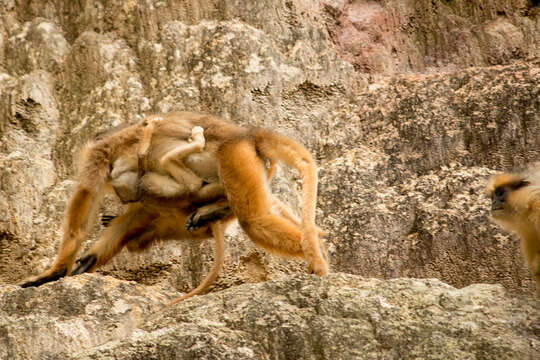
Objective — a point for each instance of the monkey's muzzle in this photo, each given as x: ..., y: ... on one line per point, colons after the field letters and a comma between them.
x: 497, y: 207
x: 497, y: 204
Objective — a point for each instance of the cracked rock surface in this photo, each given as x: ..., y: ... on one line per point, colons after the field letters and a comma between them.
x: 298, y: 317
x: 407, y: 106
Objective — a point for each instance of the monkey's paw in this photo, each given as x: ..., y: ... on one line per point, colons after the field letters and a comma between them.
x: 319, y: 268
x: 45, y: 278
x: 84, y: 264
x: 200, y: 218
x: 197, y: 130
x: 197, y: 134
x: 192, y: 223
x: 106, y: 219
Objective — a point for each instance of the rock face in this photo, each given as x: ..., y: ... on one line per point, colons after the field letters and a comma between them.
x: 395, y: 36
x: 422, y: 148
x: 301, y: 317
x: 52, y: 322
x: 408, y: 107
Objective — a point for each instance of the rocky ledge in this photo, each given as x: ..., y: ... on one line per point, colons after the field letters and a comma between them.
x: 300, y: 317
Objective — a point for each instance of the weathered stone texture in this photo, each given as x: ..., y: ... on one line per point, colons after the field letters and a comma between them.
x: 301, y: 317
x: 395, y: 36
x: 408, y: 106
x: 414, y: 181
x: 56, y: 320
x: 71, y: 70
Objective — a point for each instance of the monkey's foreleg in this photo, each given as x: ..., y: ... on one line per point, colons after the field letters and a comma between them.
x: 218, y: 231
x: 84, y: 264
x: 45, y: 278
x: 122, y: 229
x: 77, y: 220
x: 146, y: 138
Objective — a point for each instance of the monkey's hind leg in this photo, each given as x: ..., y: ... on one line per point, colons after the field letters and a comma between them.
x: 106, y: 219
x: 208, y: 193
x: 180, y: 152
x: 277, y: 147
x: 244, y: 177
x: 288, y: 213
x: 218, y: 231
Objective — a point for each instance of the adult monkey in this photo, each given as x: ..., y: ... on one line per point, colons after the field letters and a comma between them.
x: 237, y: 154
x: 515, y: 205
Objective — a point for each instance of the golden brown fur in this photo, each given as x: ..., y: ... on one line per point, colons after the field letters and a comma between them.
x: 236, y: 154
x: 516, y: 207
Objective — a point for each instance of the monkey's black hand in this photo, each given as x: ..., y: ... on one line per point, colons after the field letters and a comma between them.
x: 45, y: 279
x: 192, y: 223
x: 197, y: 220
x: 84, y: 264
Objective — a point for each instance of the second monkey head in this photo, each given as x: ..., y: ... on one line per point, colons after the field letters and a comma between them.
x: 515, y: 200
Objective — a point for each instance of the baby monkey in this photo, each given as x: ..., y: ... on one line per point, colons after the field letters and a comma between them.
x: 159, y: 171
x: 515, y: 205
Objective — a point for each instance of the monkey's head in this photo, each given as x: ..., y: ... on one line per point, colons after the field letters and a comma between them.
x: 514, y: 198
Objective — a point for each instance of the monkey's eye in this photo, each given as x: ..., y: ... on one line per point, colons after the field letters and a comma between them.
x: 500, y: 192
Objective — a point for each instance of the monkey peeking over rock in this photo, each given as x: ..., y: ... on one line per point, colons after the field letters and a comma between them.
x: 515, y: 205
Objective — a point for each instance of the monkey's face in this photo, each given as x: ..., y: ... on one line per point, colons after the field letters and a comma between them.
x: 511, y: 197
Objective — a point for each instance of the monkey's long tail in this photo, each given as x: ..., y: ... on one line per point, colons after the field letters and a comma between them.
x: 218, y: 230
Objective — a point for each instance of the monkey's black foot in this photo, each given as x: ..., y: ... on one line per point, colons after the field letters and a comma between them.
x: 106, y: 219
x: 196, y: 220
x: 45, y: 279
x: 84, y: 264
x: 192, y: 223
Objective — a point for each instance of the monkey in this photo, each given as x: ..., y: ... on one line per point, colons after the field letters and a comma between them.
x: 202, y: 217
x: 131, y: 176
x: 211, y: 212
x: 273, y: 147
x: 124, y: 181
x: 515, y: 205
x: 170, y: 159
x: 234, y: 155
